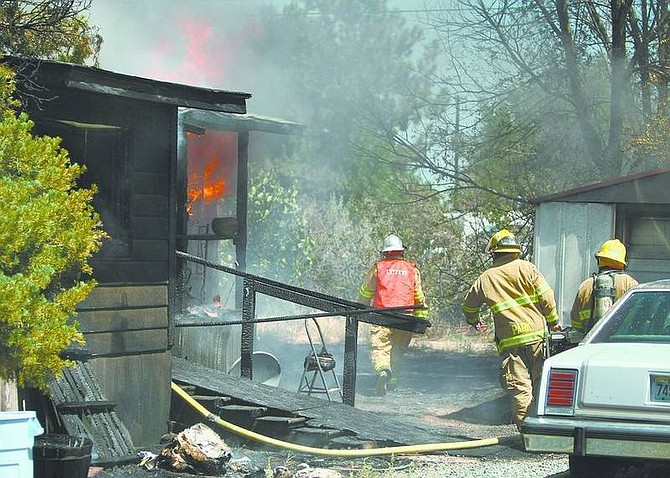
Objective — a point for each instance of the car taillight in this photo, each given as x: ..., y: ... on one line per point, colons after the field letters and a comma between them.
x: 561, y: 390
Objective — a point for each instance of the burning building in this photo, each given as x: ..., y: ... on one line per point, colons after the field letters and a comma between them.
x: 172, y: 166
x: 126, y: 131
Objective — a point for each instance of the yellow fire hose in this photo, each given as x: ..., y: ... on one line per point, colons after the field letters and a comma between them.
x: 356, y: 453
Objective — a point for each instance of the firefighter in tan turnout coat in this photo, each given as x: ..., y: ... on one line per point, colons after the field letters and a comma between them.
x: 596, y: 294
x: 392, y: 281
x: 522, y: 304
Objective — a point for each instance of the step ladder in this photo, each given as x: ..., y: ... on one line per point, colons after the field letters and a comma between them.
x: 318, y: 375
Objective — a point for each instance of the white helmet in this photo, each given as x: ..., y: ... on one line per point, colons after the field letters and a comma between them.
x: 392, y: 243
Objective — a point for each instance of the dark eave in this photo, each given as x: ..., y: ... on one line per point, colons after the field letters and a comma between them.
x: 199, y: 119
x: 58, y: 75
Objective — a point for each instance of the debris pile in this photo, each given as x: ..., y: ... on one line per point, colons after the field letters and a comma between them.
x: 197, y: 449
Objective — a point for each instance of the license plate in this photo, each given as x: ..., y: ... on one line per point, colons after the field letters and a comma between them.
x: 660, y: 388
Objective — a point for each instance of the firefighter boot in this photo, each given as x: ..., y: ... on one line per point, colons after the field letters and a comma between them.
x: 383, y: 378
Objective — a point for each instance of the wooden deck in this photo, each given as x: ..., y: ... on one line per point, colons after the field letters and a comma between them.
x: 302, y: 416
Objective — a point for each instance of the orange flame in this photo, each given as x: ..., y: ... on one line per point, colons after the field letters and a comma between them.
x: 211, y: 157
x: 207, y: 185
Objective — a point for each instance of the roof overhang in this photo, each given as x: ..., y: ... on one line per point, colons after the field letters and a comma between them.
x: 195, y: 119
x: 647, y: 187
x: 58, y: 75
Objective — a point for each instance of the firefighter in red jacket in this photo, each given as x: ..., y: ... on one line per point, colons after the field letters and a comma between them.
x: 392, y: 281
x: 522, y: 304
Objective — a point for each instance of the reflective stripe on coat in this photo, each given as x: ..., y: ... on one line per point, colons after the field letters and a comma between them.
x: 520, y: 299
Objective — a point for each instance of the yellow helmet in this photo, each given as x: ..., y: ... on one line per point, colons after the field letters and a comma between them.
x: 612, y: 253
x: 503, y: 241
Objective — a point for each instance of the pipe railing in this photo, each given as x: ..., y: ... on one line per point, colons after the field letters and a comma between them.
x: 352, y: 312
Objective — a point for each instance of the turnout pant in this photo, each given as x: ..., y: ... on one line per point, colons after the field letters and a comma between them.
x: 520, y: 373
x: 387, y: 348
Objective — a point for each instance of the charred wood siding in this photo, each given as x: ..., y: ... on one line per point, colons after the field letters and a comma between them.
x: 125, y: 328
x: 139, y: 385
x: 212, y: 346
x: 134, y: 202
x: 126, y: 319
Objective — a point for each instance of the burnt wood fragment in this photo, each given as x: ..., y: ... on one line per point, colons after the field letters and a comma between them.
x: 99, y: 405
x: 277, y: 426
x: 84, y: 410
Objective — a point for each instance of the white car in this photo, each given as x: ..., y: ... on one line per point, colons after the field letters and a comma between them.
x: 609, y: 396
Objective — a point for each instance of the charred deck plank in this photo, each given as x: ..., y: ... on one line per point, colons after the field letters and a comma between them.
x: 84, y: 410
x: 365, y: 425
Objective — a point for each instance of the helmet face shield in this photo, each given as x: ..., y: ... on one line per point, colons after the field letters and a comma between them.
x: 503, y: 241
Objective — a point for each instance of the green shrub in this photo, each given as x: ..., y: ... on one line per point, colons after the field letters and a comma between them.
x: 48, y: 232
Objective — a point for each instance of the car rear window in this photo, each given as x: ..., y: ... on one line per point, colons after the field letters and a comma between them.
x: 644, y: 316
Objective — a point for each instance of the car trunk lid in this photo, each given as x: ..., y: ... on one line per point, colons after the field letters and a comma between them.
x: 622, y: 378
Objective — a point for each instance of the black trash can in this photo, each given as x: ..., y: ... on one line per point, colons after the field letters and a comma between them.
x: 61, y: 456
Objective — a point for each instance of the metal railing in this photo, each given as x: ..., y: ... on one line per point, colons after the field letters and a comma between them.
x: 351, y: 312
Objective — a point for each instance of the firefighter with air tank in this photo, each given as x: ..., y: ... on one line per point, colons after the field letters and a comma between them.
x: 597, y: 293
x: 522, y: 304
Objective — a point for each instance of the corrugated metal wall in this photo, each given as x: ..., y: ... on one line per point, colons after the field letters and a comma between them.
x: 567, y: 235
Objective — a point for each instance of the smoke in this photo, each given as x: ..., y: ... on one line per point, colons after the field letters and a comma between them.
x: 202, y: 43
x: 223, y: 45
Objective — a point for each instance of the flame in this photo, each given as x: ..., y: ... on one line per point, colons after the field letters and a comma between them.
x: 201, y: 52
x: 207, y: 185
x: 212, y: 158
